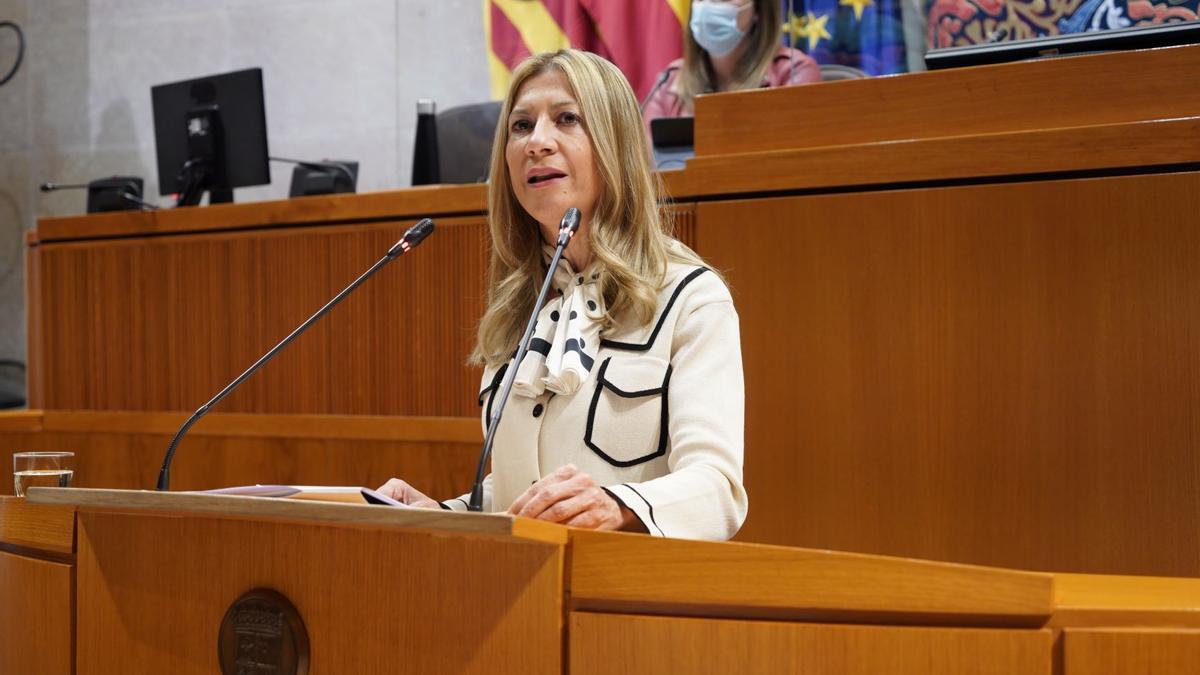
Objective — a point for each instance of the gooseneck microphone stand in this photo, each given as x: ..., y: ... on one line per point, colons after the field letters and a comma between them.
x: 415, y: 235
x: 566, y: 230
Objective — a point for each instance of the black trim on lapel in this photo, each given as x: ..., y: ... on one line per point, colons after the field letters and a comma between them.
x: 661, y: 318
x: 491, y: 388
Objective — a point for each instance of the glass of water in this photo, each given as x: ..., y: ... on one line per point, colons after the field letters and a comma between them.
x: 42, y: 469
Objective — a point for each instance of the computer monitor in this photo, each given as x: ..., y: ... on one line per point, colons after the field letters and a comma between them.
x: 673, y: 140
x: 210, y: 135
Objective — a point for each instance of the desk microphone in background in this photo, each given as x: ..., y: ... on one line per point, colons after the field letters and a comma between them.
x: 662, y: 79
x: 566, y: 230
x: 414, y: 236
x: 118, y: 193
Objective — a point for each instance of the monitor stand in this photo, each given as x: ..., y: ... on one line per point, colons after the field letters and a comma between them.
x: 204, y: 169
x: 197, y: 179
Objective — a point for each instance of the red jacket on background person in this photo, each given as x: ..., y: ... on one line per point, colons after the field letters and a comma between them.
x: 789, y: 66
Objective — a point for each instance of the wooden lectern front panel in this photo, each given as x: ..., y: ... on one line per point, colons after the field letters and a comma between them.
x: 152, y: 591
x: 36, y: 616
x: 622, y: 643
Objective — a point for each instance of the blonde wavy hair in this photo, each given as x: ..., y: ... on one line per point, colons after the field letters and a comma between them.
x: 630, y: 234
x: 697, y: 75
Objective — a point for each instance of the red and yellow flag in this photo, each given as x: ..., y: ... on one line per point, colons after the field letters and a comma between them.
x: 640, y: 36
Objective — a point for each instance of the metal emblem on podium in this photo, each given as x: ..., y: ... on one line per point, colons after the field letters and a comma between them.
x: 261, y: 634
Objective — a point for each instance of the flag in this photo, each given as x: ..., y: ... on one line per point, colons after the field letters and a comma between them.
x: 865, y: 34
x: 640, y: 36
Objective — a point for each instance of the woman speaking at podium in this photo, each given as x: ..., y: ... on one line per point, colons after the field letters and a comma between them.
x: 627, y: 410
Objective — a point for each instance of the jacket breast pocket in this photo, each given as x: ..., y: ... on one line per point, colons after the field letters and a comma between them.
x: 628, y: 418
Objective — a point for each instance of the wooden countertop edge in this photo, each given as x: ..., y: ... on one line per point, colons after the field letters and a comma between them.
x: 814, y: 614
x: 405, y: 204
x: 21, y: 420
x: 1117, y: 601
x: 355, y: 427
x: 1125, y: 145
x: 183, y: 504
x: 622, y: 572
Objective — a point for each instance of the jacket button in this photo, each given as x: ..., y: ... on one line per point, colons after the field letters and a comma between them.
x: 537, y: 410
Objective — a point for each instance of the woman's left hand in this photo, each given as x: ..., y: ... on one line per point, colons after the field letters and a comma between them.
x: 570, y: 496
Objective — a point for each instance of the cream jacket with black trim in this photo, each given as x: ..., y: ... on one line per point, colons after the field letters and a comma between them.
x: 659, y: 423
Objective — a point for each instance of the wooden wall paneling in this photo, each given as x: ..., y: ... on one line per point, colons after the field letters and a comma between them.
x: 999, y: 374
x: 372, y: 599
x: 1161, y: 651
x: 223, y: 451
x: 1051, y: 93
x: 615, y: 643
x: 162, y: 323
x: 36, y: 616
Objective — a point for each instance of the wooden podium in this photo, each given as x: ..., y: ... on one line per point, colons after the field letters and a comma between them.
x: 112, y: 581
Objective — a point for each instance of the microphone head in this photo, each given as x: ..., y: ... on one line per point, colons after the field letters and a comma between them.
x: 570, y: 220
x: 417, y: 233
x: 48, y: 187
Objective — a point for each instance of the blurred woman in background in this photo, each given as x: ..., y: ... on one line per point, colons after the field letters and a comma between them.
x: 730, y: 45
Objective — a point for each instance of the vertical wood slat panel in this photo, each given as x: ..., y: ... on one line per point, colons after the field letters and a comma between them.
x: 162, y: 323
x: 34, y: 367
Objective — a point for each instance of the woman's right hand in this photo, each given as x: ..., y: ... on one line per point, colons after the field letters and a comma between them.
x: 407, y: 494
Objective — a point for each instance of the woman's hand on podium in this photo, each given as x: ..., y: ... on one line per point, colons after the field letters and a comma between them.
x: 570, y: 497
x: 407, y: 494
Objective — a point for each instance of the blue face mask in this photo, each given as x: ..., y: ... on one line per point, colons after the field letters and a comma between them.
x: 715, y: 26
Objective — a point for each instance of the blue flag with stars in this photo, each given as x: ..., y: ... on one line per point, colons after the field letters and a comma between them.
x: 865, y: 34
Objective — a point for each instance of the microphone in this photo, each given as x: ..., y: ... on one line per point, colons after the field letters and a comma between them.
x: 566, y: 230
x: 53, y: 187
x: 414, y: 236
x: 107, y: 194
x: 662, y: 79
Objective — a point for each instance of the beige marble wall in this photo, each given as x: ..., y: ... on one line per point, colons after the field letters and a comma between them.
x: 341, y: 79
